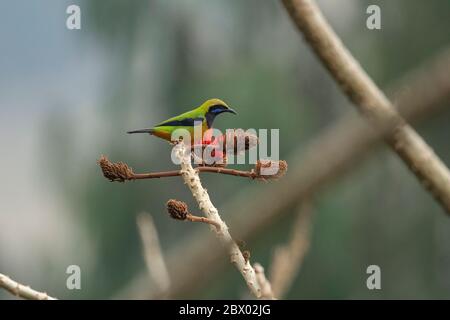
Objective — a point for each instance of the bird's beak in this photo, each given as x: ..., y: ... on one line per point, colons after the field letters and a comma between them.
x: 230, y: 111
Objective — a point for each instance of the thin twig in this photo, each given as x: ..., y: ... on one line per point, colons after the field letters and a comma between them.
x: 287, y: 259
x: 193, y: 218
x: 174, y: 173
x: 266, y: 287
x: 152, y: 252
x: 155, y: 175
x: 21, y: 290
x: 370, y: 100
x: 191, y: 178
x: 121, y: 172
x: 239, y: 173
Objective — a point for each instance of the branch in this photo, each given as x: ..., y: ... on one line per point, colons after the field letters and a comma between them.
x: 178, y: 210
x: 191, y: 178
x: 153, y: 256
x: 121, y: 172
x: 370, y: 100
x: 266, y: 288
x: 287, y: 259
x: 423, y: 91
x: 21, y: 290
x: 428, y: 87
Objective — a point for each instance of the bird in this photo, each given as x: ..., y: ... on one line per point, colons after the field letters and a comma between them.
x: 204, y: 114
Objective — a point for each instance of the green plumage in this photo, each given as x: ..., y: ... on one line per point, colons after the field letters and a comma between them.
x: 203, y: 115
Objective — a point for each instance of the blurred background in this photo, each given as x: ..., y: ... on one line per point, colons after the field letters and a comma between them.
x: 68, y: 96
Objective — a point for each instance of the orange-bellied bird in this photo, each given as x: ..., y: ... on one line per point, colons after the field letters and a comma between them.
x: 205, y: 114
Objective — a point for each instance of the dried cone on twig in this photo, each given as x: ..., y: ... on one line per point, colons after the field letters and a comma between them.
x: 115, y: 171
x: 242, y: 140
x: 239, y: 139
x: 177, y: 209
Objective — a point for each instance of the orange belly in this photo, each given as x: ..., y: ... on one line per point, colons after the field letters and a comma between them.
x: 162, y: 134
x: 166, y: 133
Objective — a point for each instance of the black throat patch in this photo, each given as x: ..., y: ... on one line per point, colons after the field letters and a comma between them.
x: 209, y: 119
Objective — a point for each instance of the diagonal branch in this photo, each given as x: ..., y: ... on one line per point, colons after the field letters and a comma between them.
x: 21, y: 290
x: 152, y: 252
x: 191, y: 178
x: 287, y: 259
x: 370, y: 100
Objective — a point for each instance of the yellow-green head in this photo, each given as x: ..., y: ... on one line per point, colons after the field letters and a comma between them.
x: 213, y: 107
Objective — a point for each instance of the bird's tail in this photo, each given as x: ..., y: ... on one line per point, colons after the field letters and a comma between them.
x: 150, y: 131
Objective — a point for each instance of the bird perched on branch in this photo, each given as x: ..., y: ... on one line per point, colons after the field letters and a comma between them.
x: 203, y: 115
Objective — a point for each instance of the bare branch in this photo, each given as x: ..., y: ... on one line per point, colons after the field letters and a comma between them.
x: 21, y: 290
x: 287, y: 259
x: 152, y: 252
x: 266, y: 288
x: 120, y: 171
x: 370, y: 100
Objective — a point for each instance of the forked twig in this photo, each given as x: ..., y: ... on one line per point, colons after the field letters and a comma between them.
x: 121, y: 172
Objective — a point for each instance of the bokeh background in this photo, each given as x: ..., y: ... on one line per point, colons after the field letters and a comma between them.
x: 68, y: 96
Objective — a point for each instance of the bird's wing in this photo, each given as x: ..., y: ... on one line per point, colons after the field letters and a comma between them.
x: 186, y: 119
x: 186, y: 122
